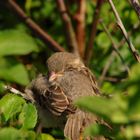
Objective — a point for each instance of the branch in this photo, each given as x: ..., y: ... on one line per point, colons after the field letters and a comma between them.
x: 70, y: 35
x: 113, y: 55
x: 80, y: 26
x: 136, y: 5
x: 35, y: 28
x: 90, y: 45
x: 109, y: 62
x: 26, y: 95
x: 13, y: 90
x: 121, y: 26
x: 114, y: 79
x: 114, y: 46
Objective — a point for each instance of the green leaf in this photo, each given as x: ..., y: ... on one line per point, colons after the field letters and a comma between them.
x: 27, y: 135
x: 16, y: 42
x: 96, y: 130
x: 28, y: 116
x: 107, y: 108
x: 12, y: 70
x: 135, y: 73
x: 10, y: 105
x: 31, y: 135
x: 45, y: 137
x: 132, y: 132
x: 28, y: 5
x: 96, y: 105
x: 10, y: 133
x: 108, y: 88
x: 103, y: 41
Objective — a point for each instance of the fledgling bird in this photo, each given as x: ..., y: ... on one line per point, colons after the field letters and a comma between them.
x: 67, y: 81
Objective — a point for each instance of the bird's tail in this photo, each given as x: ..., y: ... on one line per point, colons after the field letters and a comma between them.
x: 76, y: 124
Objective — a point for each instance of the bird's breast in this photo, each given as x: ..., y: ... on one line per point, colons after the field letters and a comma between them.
x: 75, y: 84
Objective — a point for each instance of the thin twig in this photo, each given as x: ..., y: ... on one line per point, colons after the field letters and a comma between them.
x: 121, y: 26
x: 70, y: 34
x: 114, y: 46
x: 136, y: 5
x: 114, y: 79
x: 90, y: 45
x: 35, y: 28
x: 106, y: 67
x: 27, y: 95
x: 15, y: 91
x: 113, y: 55
x: 109, y: 62
x: 80, y: 26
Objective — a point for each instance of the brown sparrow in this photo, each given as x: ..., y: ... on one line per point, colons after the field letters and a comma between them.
x: 67, y: 81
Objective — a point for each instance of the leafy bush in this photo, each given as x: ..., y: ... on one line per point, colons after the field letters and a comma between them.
x: 23, y: 55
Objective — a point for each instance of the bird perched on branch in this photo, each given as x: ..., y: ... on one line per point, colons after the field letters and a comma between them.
x: 67, y: 81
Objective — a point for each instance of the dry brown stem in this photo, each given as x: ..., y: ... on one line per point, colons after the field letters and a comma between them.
x: 90, y: 45
x: 52, y: 44
x: 70, y: 34
x: 80, y: 26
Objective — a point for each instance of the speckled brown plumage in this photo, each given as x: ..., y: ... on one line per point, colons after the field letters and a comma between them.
x: 57, y: 96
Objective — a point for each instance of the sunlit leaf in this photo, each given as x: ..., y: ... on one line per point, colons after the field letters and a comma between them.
x: 103, y: 40
x: 132, y: 132
x: 16, y: 42
x: 10, y: 105
x: 28, y: 116
x: 103, y: 107
x: 97, y: 105
x: 108, y: 88
x: 12, y: 70
x: 11, y: 133
x: 96, y: 130
x: 44, y: 136
x: 135, y: 73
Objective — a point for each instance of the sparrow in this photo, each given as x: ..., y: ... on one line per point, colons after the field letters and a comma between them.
x: 68, y: 79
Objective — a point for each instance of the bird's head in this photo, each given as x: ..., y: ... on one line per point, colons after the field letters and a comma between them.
x: 59, y: 61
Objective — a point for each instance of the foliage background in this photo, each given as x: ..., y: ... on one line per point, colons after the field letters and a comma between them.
x: 23, y: 55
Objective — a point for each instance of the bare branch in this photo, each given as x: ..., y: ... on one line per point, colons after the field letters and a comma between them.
x: 113, y: 55
x: 114, y: 79
x: 70, y: 34
x: 80, y: 26
x: 90, y: 45
x: 114, y: 46
x: 26, y: 95
x: 35, y: 28
x: 109, y: 62
x: 121, y: 26
x: 15, y: 91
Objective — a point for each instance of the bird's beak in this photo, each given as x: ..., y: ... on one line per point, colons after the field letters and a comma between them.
x: 53, y: 76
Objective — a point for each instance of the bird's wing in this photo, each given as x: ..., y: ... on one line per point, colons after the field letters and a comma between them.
x: 51, y: 97
x: 55, y: 100
x: 76, y: 124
